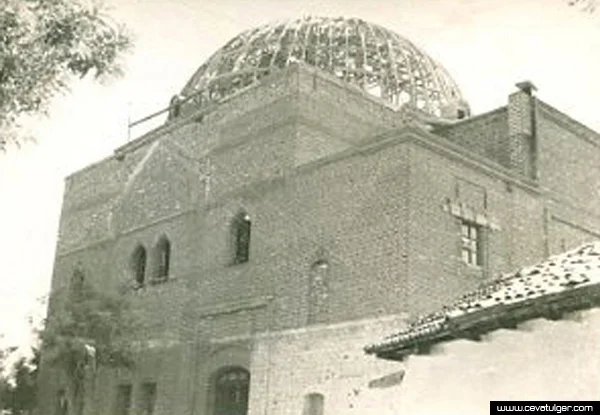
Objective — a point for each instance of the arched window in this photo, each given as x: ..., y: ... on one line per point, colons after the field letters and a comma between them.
x: 139, y: 265
x: 241, y: 238
x: 163, y: 259
x: 313, y: 404
x: 231, y: 389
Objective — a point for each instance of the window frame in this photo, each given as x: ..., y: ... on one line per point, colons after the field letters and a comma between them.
x: 472, y: 246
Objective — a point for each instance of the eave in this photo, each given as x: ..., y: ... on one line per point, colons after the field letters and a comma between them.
x: 475, y: 314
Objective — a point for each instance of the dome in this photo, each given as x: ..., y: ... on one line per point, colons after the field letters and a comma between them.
x: 375, y: 59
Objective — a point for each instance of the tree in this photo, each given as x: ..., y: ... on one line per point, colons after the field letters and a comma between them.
x: 44, y: 45
x: 585, y: 5
x: 85, y: 329
x: 4, y: 385
x: 20, y: 396
x: 4, y: 393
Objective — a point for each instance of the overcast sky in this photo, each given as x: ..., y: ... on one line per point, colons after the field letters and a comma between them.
x: 487, y: 46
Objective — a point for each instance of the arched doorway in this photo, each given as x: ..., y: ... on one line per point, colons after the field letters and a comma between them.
x: 231, y: 387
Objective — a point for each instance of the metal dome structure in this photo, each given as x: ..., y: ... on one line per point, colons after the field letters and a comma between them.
x: 366, y: 55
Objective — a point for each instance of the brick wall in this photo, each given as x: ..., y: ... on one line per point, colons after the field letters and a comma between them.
x: 354, y: 215
x: 568, y: 158
x: 537, y: 361
x: 484, y: 134
x: 437, y: 273
x: 328, y: 360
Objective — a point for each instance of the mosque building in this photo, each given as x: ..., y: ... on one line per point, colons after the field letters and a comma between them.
x: 318, y: 184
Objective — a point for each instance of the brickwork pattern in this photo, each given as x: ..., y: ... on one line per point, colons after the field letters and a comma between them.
x: 536, y: 361
x: 483, y: 134
x: 568, y: 159
x: 324, y: 173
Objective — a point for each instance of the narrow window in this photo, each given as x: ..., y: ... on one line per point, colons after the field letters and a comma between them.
x: 471, y: 252
x: 241, y: 238
x: 163, y: 259
x: 318, y: 292
x: 147, y: 398
x: 313, y: 404
x: 232, y: 386
x: 123, y: 400
x: 139, y: 265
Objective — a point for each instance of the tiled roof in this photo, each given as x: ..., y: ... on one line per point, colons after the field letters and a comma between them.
x: 565, y: 282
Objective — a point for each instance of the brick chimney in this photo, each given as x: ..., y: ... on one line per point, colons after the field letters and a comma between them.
x: 522, y: 145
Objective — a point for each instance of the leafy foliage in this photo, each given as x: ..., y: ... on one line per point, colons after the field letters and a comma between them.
x: 18, y: 388
x: 4, y: 385
x: 20, y: 396
x: 585, y: 5
x: 86, y: 328
x: 5, y: 389
x: 44, y: 44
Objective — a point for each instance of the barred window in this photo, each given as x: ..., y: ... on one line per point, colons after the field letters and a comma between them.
x: 472, y: 249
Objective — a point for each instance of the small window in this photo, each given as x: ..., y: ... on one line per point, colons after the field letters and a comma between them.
x: 163, y: 259
x: 313, y: 404
x: 241, y: 238
x: 471, y: 237
x: 147, y: 398
x: 139, y: 265
x: 318, y: 292
x: 123, y: 400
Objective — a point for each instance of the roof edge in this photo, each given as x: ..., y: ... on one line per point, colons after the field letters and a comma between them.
x: 562, y: 284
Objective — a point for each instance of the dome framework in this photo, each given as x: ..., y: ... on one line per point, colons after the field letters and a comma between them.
x: 366, y: 55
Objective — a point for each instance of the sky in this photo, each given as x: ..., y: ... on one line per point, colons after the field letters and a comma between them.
x: 486, y: 45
